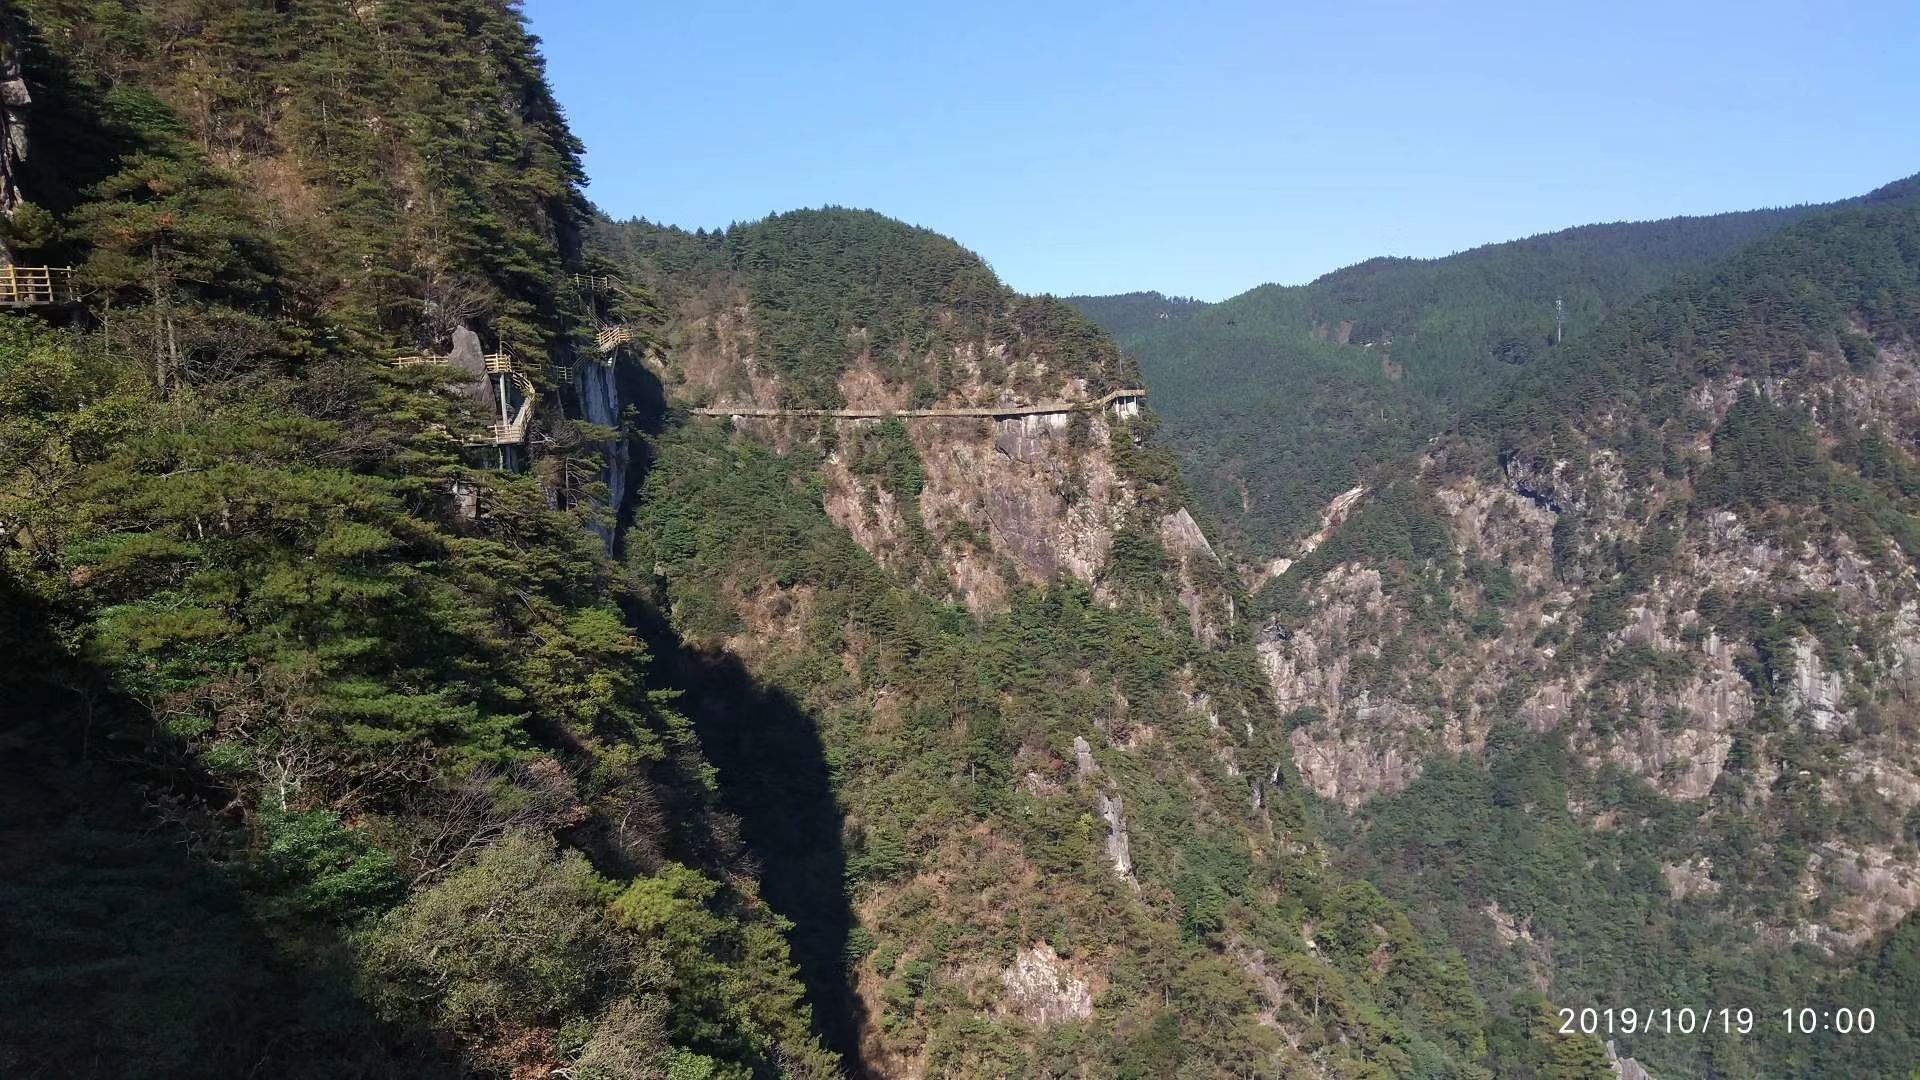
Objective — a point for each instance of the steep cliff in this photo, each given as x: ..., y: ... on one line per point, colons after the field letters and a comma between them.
x: 14, y: 101
x: 1072, y: 838
x: 1649, y: 619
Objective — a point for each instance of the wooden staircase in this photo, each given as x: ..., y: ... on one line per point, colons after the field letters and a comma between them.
x: 511, y: 432
x: 613, y: 337
x: 511, y: 429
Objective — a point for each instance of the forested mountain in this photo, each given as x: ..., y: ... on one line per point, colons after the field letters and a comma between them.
x: 1073, y: 841
x: 366, y: 716
x: 331, y: 749
x: 1284, y: 396
x: 445, y: 632
x: 1127, y: 316
x: 1615, y: 688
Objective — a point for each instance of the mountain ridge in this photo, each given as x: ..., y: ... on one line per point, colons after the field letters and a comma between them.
x: 1283, y: 396
x: 1653, y: 593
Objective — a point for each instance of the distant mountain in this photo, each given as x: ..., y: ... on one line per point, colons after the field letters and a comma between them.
x: 1128, y: 315
x: 1282, y: 397
x: 1615, y: 684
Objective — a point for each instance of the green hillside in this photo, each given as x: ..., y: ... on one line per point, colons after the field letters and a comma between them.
x: 445, y: 632
x: 1282, y: 397
x: 968, y: 751
x: 332, y: 749
x: 1637, y: 720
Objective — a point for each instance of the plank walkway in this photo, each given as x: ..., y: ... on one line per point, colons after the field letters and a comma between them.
x: 510, y: 429
x: 991, y: 412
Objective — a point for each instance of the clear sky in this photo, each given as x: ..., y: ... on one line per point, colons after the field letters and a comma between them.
x: 1203, y: 148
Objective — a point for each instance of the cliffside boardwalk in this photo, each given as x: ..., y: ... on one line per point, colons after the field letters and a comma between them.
x: 1123, y: 402
x: 507, y: 382
x: 613, y: 336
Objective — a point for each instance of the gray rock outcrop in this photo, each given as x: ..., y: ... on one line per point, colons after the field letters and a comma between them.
x: 1113, y: 812
x: 14, y: 102
x: 468, y: 356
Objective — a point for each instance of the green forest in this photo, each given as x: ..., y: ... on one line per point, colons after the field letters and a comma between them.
x: 1284, y: 396
x: 1823, y: 299
x: 310, y: 773
x: 347, y: 735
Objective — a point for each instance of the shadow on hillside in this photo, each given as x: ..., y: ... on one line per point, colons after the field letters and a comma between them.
x: 773, y: 778
x: 123, y: 952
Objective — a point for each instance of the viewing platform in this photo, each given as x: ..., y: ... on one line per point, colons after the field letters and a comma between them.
x: 35, y: 286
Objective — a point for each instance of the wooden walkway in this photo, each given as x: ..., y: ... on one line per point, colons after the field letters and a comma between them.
x: 512, y: 426
x: 989, y: 412
x: 613, y: 337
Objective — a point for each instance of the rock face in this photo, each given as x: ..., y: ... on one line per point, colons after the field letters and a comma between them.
x: 1625, y: 1068
x: 1113, y: 812
x: 1083, y: 758
x: 1331, y: 518
x: 1350, y: 743
x: 1042, y: 990
x: 468, y: 356
x: 598, y: 387
x: 14, y: 102
x: 1180, y: 535
x: 1027, y: 500
x: 1817, y: 692
x: 1759, y: 636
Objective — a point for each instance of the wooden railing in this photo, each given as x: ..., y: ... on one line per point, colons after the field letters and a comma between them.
x: 513, y: 432
x: 613, y: 337
x: 500, y: 432
x: 499, y: 363
x: 35, y: 286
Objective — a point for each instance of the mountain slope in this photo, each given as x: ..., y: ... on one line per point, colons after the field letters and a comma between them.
x: 1282, y: 397
x: 1619, y: 684
x: 1074, y: 843
x: 331, y: 747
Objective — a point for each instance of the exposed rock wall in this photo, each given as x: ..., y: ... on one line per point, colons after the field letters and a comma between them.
x: 14, y: 102
x: 1664, y: 682
x: 598, y: 389
x: 1043, y: 991
x: 1002, y: 503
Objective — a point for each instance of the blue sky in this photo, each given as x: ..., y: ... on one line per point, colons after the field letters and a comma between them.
x: 1203, y: 148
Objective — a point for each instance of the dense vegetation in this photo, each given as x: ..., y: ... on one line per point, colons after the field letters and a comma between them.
x: 1284, y: 396
x: 1472, y: 833
x: 384, y: 783
x: 933, y: 792
x: 1829, y: 286
x: 826, y: 288
x: 948, y: 740
x: 425, y: 761
x: 1734, y: 394
x: 337, y: 747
